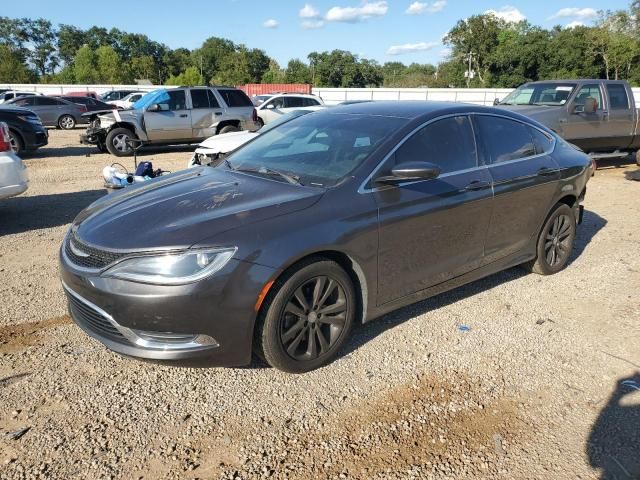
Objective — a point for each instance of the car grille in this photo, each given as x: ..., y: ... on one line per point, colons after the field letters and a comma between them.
x: 85, y: 256
x: 93, y: 320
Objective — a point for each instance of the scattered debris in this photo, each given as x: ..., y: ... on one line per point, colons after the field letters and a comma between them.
x: 464, y: 328
x: 17, y: 434
x: 499, y: 448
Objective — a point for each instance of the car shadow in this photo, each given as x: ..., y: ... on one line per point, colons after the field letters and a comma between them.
x: 632, y: 174
x: 613, y: 446
x: 66, y: 151
x: 616, y: 162
x: 26, y: 213
x: 591, y: 224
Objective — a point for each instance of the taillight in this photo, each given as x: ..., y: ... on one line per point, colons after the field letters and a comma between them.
x: 5, y: 141
x: 254, y: 115
x: 83, y: 108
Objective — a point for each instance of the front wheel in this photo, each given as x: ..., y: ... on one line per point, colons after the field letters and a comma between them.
x: 555, y: 242
x: 66, y: 122
x: 118, y: 142
x: 308, y: 319
x: 17, y: 145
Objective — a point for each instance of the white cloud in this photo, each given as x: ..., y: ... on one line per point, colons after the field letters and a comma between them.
x: 411, y: 47
x: 309, y: 11
x: 508, y: 14
x: 271, y: 23
x: 418, y: 8
x: 575, y: 23
x: 357, y: 14
x: 312, y: 24
x: 578, y: 13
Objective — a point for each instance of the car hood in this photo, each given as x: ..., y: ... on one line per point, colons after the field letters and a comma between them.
x: 531, y: 110
x: 226, y: 142
x: 120, y: 115
x: 179, y: 210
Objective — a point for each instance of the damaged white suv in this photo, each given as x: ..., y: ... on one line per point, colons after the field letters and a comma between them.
x: 173, y: 116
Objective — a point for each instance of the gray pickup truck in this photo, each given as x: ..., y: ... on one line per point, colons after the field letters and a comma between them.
x: 599, y: 116
x: 181, y: 115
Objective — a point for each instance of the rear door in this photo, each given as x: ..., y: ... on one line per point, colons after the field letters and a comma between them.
x: 433, y: 230
x: 49, y: 109
x: 173, y: 122
x: 621, y: 125
x: 205, y: 112
x: 524, y: 182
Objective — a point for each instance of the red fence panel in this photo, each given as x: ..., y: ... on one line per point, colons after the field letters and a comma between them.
x: 252, y: 89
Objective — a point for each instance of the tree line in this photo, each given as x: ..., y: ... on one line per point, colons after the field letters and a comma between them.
x: 485, y: 51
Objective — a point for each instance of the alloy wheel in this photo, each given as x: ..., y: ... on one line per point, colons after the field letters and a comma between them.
x: 13, y: 141
x: 67, y: 122
x: 121, y: 142
x: 557, y: 246
x: 313, y: 318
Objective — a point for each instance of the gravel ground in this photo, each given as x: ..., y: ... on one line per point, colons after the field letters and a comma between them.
x: 533, y: 389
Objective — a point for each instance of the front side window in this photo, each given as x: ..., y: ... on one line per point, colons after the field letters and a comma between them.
x: 589, y: 91
x: 275, y: 103
x: 172, y: 100
x: 447, y: 143
x: 318, y: 149
x: 540, y: 94
x: 618, y: 99
x: 503, y: 139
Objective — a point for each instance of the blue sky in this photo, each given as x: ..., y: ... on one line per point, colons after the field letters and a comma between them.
x: 392, y: 30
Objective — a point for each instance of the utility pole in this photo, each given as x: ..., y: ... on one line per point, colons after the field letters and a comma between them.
x: 469, y: 73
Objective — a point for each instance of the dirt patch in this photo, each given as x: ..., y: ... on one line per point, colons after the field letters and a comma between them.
x: 23, y: 335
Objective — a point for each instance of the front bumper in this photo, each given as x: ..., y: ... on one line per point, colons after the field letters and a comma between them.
x: 211, y: 319
x: 93, y: 136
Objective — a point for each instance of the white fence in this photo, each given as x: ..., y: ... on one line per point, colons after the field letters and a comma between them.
x: 331, y: 96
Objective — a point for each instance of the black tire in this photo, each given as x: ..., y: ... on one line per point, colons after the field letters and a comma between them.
x: 117, y: 143
x: 67, y: 122
x: 638, y: 158
x: 555, y: 241
x: 307, y: 317
x: 17, y: 144
x: 259, y: 123
x: 102, y: 147
x: 228, y: 128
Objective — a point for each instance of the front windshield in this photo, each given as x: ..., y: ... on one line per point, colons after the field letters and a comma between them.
x: 540, y: 94
x: 283, y: 119
x: 149, y: 99
x: 319, y: 149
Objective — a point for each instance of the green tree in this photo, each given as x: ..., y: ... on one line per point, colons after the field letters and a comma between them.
x: 109, y: 65
x: 85, y: 65
x: 297, y: 72
x: 274, y: 74
x: 42, y: 37
x: 190, y: 77
x: 70, y: 39
x: 12, y: 68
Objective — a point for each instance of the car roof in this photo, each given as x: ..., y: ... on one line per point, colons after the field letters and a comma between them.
x: 419, y: 109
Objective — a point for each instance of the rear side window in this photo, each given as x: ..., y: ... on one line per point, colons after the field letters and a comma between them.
x: 235, y: 98
x: 618, y: 99
x: 213, y: 101
x: 25, y: 102
x: 589, y: 91
x: 48, y: 101
x: 311, y: 102
x: 448, y: 143
x: 542, y: 142
x: 295, y: 102
x: 503, y: 139
x: 199, y: 98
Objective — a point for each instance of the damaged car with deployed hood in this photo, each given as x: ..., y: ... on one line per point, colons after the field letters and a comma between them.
x: 333, y: 218
x: 173, y: 116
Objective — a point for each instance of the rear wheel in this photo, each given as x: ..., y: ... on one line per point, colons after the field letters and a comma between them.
x: 228, y: 128
x: 66, y: 122
x: 638, y: 158
x: 308, y: 319
x: 118, y: 142
x: 17, y: 145
x: 555, y: 242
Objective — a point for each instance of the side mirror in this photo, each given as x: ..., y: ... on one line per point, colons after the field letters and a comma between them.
x: 153, y: 107
x: 410, y: 171
x: 271, y: 106
x: 496, y: 101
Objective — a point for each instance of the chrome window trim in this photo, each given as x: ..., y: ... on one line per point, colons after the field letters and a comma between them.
x: 362, y: 188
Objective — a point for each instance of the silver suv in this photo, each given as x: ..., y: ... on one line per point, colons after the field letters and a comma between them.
x: 172, y: 116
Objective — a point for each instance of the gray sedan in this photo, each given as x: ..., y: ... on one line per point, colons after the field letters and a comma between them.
x: 53, y: 111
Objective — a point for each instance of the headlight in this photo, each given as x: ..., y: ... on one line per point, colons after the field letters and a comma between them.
x: 172, y: 269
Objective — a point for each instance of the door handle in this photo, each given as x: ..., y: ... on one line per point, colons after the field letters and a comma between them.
x: 546, y: 171
x: 477, y: 185
x: 183, y: 115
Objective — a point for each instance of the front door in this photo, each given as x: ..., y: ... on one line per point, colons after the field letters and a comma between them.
x: 173, y: 121
x: 433, y: 230
x: 587, y: 130
x: 524, y: 181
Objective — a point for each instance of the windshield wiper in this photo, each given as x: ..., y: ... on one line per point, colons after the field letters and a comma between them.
x: 270, y: 171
